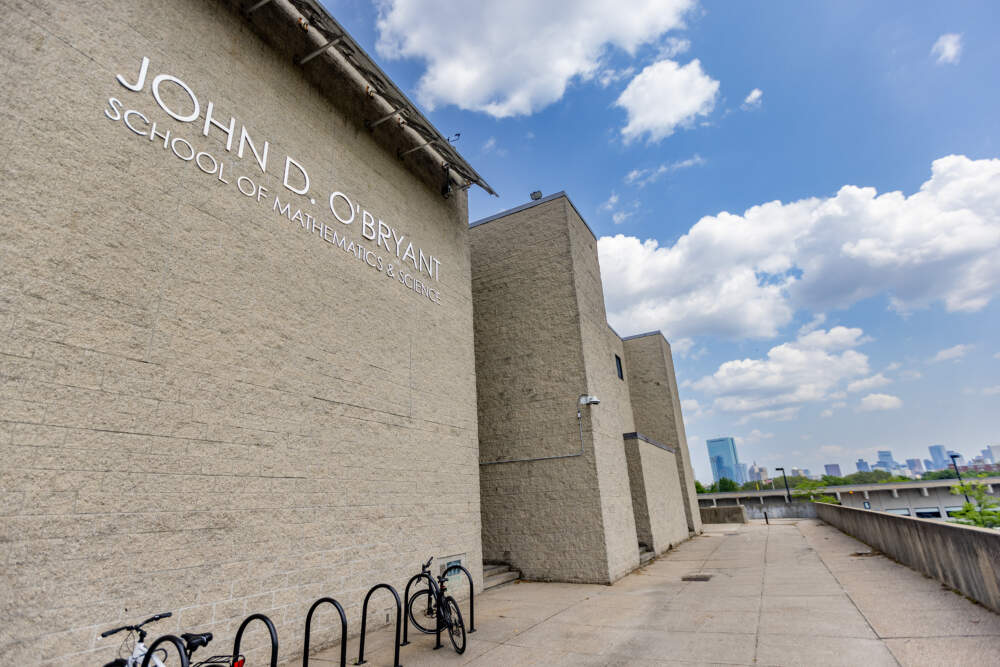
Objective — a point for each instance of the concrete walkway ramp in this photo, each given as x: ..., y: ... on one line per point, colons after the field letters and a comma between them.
x: 793, y: 593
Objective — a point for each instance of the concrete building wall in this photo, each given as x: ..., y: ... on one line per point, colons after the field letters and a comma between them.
x: 613, y: 417
x: 724, y: 514
x: 542, y: 340
x: 204, y: 407
x: 637, y: 483
x: 544, y: 517
x: 657, y: 410
x: 660, y: 520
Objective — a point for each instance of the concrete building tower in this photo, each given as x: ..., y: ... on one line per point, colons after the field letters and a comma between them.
x: 564, y: 497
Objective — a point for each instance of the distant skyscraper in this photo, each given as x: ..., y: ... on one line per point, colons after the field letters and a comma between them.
x: 995, y: 450
x: 743, y: 477
x: 722, y: 456
x: 863, y: 466
x: 915, y: 466
x: 885, y: 459
x: 938, y: 456
x: 928, y: 465
x: 832, y: 469
x: 757, y: 473
x: 988, y: 456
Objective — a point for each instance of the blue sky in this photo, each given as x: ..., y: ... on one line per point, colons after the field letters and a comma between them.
x: 814, y: 317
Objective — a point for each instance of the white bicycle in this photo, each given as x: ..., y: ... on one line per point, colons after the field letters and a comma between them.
x: 138, y: 648
x: 134, y: 644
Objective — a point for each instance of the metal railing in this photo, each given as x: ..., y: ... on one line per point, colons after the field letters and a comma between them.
x: 401, y: 623
x: 178, y: 644
x: 472, y: 595
x: 270, y: 628
x: 406, y: 597
x: 364, y: 622
x: 343, y: 631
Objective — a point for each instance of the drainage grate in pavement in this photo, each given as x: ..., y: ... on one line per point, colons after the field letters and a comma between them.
x: 696, y: 577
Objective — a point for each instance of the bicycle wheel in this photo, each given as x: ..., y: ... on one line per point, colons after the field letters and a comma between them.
x: 456, y: 627
x: 423, y: 611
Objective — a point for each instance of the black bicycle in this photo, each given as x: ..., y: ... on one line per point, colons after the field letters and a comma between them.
x: 134, y: 645
x: 431, y: 609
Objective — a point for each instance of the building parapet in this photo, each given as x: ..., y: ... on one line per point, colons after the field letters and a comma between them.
x: 965, y: 558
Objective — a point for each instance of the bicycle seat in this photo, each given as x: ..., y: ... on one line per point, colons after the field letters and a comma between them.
x: 194, y: 641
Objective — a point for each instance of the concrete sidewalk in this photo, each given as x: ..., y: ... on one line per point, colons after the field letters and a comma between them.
x: 791, y: 593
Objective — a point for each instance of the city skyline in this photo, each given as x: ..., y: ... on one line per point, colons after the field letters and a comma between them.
x: 917, y: 465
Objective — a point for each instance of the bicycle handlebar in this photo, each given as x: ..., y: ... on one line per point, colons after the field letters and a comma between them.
x: 157, y: 617
x: 151, y: 619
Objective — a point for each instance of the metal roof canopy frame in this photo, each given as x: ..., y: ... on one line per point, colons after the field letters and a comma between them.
x: 325, y: 40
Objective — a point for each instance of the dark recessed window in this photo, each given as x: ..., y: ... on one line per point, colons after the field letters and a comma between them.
x: 618, y: 364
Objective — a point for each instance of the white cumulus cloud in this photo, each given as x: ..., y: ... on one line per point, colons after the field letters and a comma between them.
x: 753, y: 100
x: 665, y: 96
x: 794, y: 373
x: 948, y: 48
x: 873, y: 402
x: 873, y: 382
x: 514, y: 57
x: 746, y: 275
x: 952, y: 353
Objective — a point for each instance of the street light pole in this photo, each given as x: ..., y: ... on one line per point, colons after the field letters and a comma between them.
x: 954, y: 462
x: 788, y: 494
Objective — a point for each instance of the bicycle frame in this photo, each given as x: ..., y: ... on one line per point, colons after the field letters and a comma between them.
x: 138, y: 653
x: 436, y: 597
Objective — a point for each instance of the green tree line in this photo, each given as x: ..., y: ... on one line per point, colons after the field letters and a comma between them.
x: 874, y: 477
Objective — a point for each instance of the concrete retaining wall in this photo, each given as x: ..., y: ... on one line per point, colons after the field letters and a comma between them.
x: 963, y: 557
x: 779, y: 509
x: 776, y: 507
x: 730, y: 514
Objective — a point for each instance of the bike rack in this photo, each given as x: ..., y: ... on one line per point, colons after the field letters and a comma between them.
x: 178, y: 644
x: 472, y: 596
x: 364, y: 622
x: 239, y: 637
x: 343, y: 631
x: 406, y: 601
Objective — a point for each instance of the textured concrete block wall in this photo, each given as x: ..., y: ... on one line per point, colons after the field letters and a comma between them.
x: 204, y: 407
x: 662, y: 482
x: 544, y: 517
x: 637, y: 483
x: 724, y: 514
x: 613, y: 417
x: 657, y: 410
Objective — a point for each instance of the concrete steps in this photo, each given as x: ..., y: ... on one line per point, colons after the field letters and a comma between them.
x: 498, y: 574
x: 645, y: 554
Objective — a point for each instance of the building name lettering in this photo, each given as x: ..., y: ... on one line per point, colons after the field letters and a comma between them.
x: 404, y: 256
